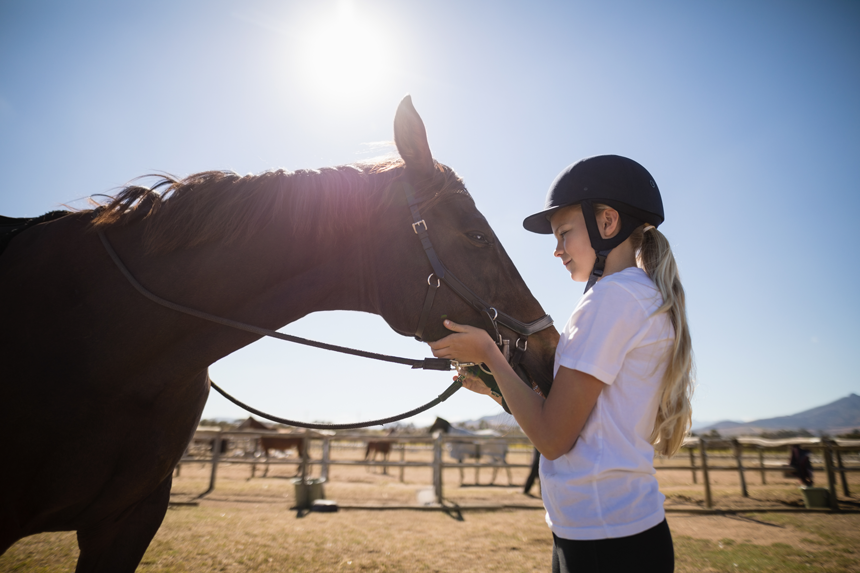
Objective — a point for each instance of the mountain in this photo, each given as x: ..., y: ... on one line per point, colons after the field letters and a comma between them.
x: 502, y: 421
x: 838, y: 417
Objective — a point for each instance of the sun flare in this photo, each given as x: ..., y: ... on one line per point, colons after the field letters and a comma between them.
x: 344, y: 53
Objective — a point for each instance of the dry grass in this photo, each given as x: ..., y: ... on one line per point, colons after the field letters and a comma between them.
x: 247, y: 525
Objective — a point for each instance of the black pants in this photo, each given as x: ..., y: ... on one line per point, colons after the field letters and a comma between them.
x: 533, y: 474
x: 648, y: 552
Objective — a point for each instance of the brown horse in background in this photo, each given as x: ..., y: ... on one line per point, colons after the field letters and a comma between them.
x: 124, y: 380
x: 276, y: 442
x: 379, y: 447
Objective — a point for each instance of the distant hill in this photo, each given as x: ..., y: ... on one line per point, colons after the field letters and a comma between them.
x: 502, y: 421
x: 838, y: 417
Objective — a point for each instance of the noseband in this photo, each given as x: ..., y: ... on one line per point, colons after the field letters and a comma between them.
x: 492, y: 317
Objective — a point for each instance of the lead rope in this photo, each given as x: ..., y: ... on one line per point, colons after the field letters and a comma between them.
x: 438, y: 400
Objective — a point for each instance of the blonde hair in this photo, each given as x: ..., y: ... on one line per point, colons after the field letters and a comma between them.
x: 674, y: 413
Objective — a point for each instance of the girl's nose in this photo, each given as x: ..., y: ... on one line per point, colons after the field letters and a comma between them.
x: 559, y: 249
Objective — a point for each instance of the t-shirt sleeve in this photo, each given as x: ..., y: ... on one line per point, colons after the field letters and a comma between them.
x: 606, y: 324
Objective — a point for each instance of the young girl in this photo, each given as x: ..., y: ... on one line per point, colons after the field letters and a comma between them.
x: 623, y: 371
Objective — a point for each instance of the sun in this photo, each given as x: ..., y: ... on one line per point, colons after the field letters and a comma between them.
x: 344, y: 53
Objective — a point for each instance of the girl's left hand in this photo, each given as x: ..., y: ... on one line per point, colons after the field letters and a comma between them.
x: 472, y: 382
x: 467, y: 344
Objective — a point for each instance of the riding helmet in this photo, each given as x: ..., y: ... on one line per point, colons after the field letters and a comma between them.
x: 611, y: 180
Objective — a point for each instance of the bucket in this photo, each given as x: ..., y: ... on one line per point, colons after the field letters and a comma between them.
x: 308, y: 492
x: 815, y: 497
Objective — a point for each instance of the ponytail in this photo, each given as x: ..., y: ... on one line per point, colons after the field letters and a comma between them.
x: 674, y: 413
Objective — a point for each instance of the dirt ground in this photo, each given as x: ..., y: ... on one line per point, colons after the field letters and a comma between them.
x: 251, y: 524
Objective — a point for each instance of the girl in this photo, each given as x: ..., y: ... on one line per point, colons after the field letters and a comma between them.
x: 623, y: 371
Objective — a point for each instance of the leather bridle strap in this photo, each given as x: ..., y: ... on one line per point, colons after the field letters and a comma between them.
x: 426, y: 364
x: 442, y: 273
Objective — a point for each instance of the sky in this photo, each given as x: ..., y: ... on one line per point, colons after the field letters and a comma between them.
x: 746, y: 114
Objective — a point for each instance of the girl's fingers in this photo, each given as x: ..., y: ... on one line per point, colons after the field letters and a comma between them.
x: 451, y: 325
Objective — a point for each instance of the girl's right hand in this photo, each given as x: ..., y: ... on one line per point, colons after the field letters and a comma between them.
x: 465, y: 344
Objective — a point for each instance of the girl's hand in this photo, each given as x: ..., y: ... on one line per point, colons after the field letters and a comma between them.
x: 472, y: 382
x: 467, y: 344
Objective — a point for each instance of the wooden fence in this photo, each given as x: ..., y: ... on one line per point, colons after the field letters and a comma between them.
x: 830, y: 452
x: 825, y: 448
x: 436, y: 443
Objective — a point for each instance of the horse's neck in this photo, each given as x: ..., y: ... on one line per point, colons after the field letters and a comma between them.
x: 269, y: 281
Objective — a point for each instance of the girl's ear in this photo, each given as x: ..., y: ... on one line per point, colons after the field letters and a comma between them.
x: 410, y: 138
x: 609, y: 222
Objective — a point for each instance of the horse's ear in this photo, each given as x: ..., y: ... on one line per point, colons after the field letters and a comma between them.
x: 410, y: 137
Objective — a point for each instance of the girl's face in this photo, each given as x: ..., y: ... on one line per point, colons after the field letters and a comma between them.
x: 573, y: 246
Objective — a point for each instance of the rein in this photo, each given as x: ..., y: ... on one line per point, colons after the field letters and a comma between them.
x: 440, y: 272
x: 426, y: 364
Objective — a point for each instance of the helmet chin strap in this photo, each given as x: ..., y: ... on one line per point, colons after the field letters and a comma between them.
x: 597, y: 270
x: 602, y: 247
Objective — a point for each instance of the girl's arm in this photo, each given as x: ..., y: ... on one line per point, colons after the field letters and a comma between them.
x: 553, y: 425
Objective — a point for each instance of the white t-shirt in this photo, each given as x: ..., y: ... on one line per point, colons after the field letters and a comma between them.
x: 605, y: 486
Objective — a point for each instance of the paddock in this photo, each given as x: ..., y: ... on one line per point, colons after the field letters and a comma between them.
x: 699, y: 478
x: 383, y: 524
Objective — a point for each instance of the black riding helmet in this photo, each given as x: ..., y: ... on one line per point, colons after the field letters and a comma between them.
x: 611, y: 180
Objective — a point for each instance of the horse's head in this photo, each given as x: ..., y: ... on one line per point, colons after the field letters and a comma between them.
x: 440, y: 425
x: 480, y: 282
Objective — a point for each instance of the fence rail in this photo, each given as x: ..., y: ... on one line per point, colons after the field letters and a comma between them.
x: 695, y: 447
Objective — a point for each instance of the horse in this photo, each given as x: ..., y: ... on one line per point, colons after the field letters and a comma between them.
x: 264, y: 445
x: 460, y: 450
x: 124, y: 380
x: 379, y: 447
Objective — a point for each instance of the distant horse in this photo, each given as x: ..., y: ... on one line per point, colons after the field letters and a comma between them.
x: 801, y: 465
x: 124, y: 380
x: 282, y: 443
x: 460, y: 450
x: 379, y: 447
x: 276, y: 442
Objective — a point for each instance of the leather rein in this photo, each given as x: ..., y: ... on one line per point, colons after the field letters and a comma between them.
x: 441, y: 274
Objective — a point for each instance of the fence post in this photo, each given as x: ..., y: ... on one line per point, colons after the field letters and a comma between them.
x: 216, y: 455
x: 841, y: 472
x: 831, y: 477
x: 703, y: 454
x: 437, y: 467
x: 739, y: 454
x: 326, y: 447
x: 305, y: 451
x: 761, y: 465
x: 693, y: 463
x: 402, y: 459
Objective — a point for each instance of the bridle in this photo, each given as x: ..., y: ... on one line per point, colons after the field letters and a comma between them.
x: 442, y: 275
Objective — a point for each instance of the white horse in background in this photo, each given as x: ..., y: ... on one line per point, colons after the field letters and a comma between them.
x: 460, y: 450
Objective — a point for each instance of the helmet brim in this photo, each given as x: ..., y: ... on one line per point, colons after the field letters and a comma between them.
x: 539, y: 222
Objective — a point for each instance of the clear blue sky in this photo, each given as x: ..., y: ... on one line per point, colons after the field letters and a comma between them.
x: 746, y: 113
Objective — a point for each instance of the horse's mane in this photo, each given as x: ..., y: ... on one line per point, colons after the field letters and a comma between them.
x: 227, y: 207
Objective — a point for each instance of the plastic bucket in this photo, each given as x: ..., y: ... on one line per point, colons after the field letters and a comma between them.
x: 815, y: 497
x: 309, y: 491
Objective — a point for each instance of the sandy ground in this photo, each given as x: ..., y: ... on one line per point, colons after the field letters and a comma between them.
x: 251, y: 524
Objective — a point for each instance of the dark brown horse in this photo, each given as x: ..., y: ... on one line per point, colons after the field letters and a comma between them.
x: 275, y: 442
x: 124, y: 381
x: 382, y: 447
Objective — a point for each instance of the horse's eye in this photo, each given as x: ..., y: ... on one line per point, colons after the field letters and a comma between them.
x: 479, y: 237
